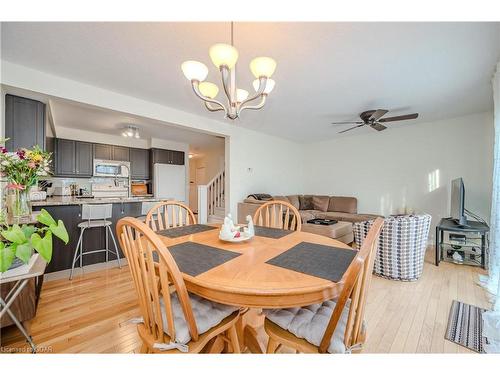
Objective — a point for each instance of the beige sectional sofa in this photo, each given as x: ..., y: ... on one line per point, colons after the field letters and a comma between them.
x: 312, y: 207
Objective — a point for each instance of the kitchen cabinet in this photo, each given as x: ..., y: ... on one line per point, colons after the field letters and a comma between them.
x: 65, y: 157
x: 24, y: 122
x: 139, y: 164
x: 103, y: 152
x: 120, y: 153
x: 167, y: 156
x: 84, y: 161
x: 62, y: 255
x: 73, y: 158
x: 111, y: 152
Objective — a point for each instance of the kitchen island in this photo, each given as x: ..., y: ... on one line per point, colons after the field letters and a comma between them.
x: 69, y: 210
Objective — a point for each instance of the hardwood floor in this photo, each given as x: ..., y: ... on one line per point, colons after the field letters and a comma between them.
x: 91, y: 313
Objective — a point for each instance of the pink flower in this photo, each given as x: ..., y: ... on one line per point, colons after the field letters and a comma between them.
x: 16, y: 186
x: 21, y: 154
x: 3, y: 150
x: 32, y: 165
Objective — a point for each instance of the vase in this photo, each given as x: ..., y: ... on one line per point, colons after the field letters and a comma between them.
x: 20, y: 204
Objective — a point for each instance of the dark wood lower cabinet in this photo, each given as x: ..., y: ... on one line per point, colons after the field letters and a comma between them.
x: 93, y: 239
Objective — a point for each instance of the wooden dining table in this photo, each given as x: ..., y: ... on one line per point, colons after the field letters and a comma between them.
x: 248, y: 281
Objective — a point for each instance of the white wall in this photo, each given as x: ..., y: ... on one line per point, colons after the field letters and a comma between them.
x: 275, y: 164
x: 407, y: 167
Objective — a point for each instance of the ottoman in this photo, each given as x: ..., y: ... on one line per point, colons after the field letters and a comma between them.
x: 341, y: 231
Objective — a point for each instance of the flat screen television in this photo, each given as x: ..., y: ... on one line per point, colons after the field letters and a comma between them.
x: 457, y: 206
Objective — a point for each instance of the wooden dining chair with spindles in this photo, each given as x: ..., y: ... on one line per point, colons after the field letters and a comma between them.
x: 278, y: 214
x: 169, y: 214
x: 173, y: 321
x: 334, y: 326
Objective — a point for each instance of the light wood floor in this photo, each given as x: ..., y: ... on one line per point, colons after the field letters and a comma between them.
x: 91, y: 313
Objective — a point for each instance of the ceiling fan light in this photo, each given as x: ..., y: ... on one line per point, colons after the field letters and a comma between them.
x: 241, y: 95
x: 124, y: 134
x: 263, y: 66
x: 136, y: 135
x: 223, y: 54
x: 269, y: 85
x: 208, y: 89
x: 194, y: 70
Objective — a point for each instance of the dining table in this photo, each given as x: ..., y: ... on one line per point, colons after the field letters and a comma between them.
x: 259, y: 273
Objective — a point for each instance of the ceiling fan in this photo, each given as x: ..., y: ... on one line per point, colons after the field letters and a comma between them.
x: 373, y: 118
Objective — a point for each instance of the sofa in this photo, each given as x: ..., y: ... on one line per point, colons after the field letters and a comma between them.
x: 312, y: 207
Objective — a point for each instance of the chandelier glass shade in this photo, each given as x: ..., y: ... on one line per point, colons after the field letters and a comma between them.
x: 225, y: 57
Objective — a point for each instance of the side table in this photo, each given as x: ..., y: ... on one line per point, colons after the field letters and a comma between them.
x: 20, y: 282
x: 472, y: 228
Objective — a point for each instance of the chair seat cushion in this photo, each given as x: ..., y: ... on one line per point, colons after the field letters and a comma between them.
x: 207, y: 314
x: 94, y: 224
x: 310, y: 323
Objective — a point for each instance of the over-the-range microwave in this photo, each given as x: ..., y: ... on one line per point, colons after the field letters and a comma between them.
x: 111, y: 168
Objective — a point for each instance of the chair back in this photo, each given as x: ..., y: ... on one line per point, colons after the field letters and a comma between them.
x: 278, y: 214
x: 97, y: 211
x: 169, y: 214
x: 355, y: 284
x: 139, y: 243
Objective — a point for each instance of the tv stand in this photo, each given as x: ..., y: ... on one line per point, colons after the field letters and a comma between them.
x: 468, y: 246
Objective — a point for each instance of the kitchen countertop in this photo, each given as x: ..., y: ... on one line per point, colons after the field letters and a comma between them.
x: 69, y: 200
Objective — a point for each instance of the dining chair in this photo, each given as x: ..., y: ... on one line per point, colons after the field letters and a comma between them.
x: 173, y: 321
x: 334, y: 326
x: 278, y: 214
x: 169, y: 214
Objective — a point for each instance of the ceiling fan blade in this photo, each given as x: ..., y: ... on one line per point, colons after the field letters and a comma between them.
x: 347, y: 122
x: 354, y: 127
x: 378, y: 126
x: 377, y: 114
x: 399, y: 118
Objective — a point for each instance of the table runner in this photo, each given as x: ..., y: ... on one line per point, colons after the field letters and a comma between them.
x: 184, y: 230
x: 326, y: 262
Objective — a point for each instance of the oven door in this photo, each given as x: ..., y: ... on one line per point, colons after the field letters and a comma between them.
x: 106, y: 169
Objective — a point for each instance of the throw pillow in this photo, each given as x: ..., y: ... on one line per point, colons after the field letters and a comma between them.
x: 306, y: 202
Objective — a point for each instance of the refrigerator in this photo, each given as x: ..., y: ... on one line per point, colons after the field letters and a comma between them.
x: 169, y: 182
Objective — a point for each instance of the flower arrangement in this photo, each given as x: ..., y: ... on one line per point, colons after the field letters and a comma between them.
x: 22, y: 169
x: 20, y: 241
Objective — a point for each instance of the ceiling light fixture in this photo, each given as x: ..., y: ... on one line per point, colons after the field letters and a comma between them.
x: 131, y: 131
x: 224, y: 57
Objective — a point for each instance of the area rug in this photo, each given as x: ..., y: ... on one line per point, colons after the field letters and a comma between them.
x: 465, y: 326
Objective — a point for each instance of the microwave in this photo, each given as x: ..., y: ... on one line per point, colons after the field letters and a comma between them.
x: 111, y: 168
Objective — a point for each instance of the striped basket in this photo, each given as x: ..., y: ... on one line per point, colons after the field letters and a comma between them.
x: 401, y: 247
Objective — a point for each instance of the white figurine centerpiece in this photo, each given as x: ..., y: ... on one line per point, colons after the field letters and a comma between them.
x: 231, y: 233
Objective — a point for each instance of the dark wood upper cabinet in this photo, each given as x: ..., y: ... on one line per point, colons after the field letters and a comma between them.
x: 103, y: 152
x: 139, y: 164
x: 73, y: 158
x: 120, y: 153
x: 167, y: 156
x: 24, y: 122
x: 111, y: 152
x: 84, y: 159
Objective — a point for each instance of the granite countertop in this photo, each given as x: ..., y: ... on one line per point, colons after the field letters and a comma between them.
x: 69, y: 200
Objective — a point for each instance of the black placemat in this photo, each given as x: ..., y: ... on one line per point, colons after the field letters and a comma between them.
x: 271, y: 232
x: 185, y: 230
x: 195, y: 258
x: 326, y: 262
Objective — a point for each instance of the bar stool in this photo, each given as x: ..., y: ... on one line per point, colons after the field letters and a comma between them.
x: 96, y: 216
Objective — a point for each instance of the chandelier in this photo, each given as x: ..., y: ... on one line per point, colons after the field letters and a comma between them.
x: 224, y: 57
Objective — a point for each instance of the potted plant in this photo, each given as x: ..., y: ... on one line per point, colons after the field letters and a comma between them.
x: 19, y: 243
x: 22, y: 169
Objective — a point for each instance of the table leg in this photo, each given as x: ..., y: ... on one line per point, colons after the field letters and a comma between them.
x: 437, y: 247
x: 5, y: 308
x: 483, y: 251
x: 247, y: 335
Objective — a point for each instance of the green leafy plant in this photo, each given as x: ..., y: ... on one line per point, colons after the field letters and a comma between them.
x: 20, y: 241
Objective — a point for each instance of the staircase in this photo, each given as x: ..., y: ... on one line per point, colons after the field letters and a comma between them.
x: 211, y: 199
